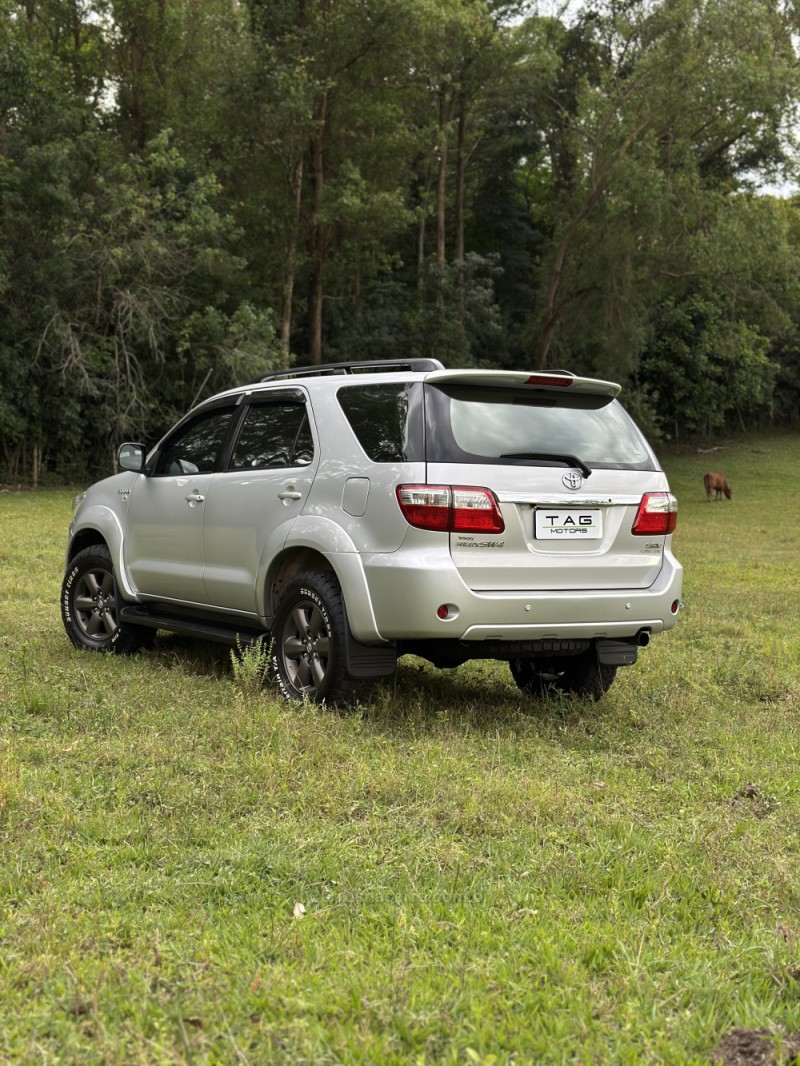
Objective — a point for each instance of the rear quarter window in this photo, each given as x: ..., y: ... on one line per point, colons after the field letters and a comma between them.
x: 386, y: 420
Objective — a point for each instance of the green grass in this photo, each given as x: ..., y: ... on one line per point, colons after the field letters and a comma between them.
x: 484, y: 879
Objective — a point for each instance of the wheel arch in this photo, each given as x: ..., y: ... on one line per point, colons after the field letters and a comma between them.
x: 100, y: 525
x: 290, y: 563
x: 85, y: 538
x: 348, y: 570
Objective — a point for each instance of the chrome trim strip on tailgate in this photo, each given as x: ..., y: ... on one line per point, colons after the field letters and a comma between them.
x: 562, y: 500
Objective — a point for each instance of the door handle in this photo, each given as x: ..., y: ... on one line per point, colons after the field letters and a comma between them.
x: 194, y: 497
x: 290, y: 494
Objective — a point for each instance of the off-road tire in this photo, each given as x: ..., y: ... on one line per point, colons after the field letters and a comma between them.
x: 579, y: 675
x: 309, y: 640
x: 89, y: 606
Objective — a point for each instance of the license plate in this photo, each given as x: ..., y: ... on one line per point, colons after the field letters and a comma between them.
x: 573, y: 524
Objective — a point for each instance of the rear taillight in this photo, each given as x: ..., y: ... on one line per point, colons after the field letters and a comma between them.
x: 657, y: 515
x: 450, y: 508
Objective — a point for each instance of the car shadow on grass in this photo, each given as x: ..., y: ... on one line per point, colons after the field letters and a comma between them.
x: 192, y: 655
x: 477, y: 697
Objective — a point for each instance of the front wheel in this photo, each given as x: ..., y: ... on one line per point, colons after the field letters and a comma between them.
x: 309, y: 634
x: 89, y: 606
x: 579, y: 675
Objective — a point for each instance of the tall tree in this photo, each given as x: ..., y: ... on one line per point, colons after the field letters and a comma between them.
x: 679, y: 103
x: 338, y: 144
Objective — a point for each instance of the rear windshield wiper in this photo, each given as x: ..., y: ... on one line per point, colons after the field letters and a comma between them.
x: 570, y: 460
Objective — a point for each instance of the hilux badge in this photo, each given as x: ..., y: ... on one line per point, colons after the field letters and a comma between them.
x: 572, y: 480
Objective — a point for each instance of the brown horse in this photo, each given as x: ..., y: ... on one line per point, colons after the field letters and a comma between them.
x: 717, y: 484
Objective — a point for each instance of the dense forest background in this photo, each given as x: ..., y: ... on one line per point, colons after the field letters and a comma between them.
x: 195, y: 192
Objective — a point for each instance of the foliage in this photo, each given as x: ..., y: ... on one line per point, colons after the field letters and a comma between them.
x: 195, y: 193
x: 669, y: 110
x: 702, y: 370
x: 193, y: 870
x: 452, y: 316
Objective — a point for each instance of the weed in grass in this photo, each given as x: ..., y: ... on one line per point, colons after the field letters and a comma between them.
x: 250, y: 665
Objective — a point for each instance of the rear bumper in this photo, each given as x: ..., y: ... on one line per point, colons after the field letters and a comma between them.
x: 406, y: 595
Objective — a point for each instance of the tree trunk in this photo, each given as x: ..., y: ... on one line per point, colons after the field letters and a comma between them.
x: 316, y: 299
x: 441, y: 185
x: 421, y: 251
x: 422, y: 233
x: 317, y: 235
x: 461, y: 172
x: 291, y: 261
x: 137, y: 50
x: 30, y: 18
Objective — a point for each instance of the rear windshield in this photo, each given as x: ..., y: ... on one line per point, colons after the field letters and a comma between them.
x: 466, y: 424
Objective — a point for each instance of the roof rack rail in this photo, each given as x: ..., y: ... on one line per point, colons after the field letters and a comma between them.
x: 359, y: 366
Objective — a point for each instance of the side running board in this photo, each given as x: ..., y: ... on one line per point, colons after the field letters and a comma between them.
x: 225, y: 633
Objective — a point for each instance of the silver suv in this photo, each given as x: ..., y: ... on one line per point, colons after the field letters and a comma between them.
x: 356, y: 512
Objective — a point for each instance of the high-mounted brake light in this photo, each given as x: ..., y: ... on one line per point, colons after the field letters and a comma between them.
x: 657, y: 515
x: 450, y: 508
x: 560, y: 380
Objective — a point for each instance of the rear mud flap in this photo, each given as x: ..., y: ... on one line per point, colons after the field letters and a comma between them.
x: 365, y: 662
x: 616, y: 652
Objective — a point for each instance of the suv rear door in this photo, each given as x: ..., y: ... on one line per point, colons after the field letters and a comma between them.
x: 568, y: 467
x: 256, y: 497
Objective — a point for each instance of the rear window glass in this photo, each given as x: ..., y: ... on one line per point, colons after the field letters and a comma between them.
x: 273, y: 435
x: 466, y: 424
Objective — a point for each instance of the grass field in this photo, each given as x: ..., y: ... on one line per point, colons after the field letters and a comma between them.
x: 193, y: 872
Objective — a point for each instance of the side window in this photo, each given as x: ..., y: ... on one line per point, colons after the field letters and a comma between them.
x: 272, y: 436
x: 379, y: 416
x: 196, y: 446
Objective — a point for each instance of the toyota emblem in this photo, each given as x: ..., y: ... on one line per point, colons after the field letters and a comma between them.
x: 572, y: 479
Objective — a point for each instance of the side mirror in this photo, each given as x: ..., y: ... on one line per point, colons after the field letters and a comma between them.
x: 131, y: 457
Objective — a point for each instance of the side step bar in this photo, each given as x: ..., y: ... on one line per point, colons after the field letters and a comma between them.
x: 224, y: 633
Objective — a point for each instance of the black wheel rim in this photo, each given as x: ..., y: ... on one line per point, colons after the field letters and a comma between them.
x: 95, y: 604
x: 306, y: 648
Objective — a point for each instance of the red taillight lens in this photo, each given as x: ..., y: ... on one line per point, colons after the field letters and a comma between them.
x: 450, y: 508
x: 562, y: 381
x: 657, y: 515
x: 475, y: 511
x: 425, y: 506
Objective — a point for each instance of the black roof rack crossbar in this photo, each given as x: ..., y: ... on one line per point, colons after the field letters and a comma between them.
x: 359, y: 366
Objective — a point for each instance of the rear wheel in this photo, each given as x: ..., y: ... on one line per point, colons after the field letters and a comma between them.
x: 310, y: 633
x: 89, y: 606
x: 579, y: 675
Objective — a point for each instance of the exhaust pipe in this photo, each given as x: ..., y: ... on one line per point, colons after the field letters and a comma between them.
x: 643, y: 638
